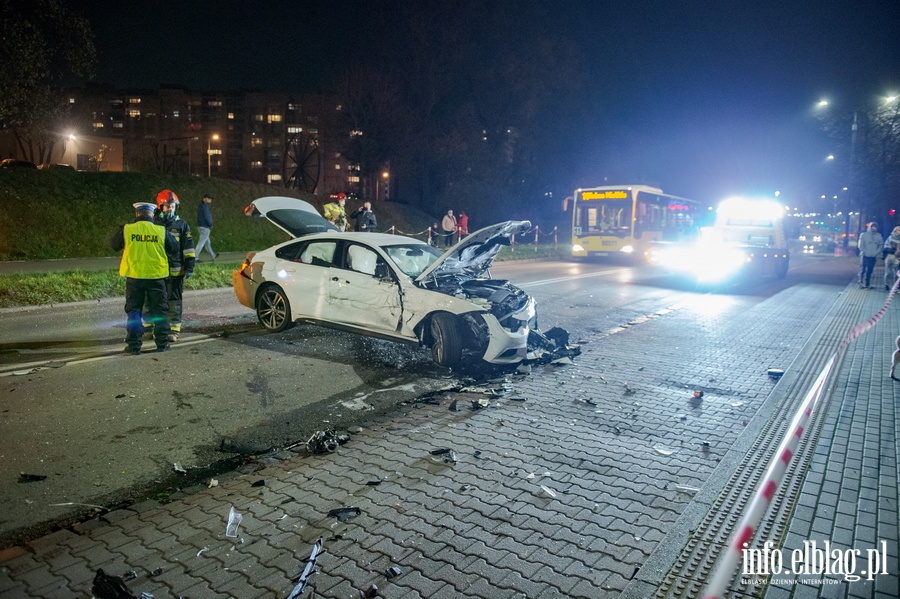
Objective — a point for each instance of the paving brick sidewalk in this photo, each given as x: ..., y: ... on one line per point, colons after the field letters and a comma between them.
x: 849, y: 495
x: 564, y: 494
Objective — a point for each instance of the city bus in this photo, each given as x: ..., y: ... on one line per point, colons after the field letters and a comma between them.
x: 626, y: 220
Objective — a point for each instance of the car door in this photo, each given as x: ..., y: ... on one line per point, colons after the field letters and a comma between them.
x: 364, y: 291
x: 302, y: 270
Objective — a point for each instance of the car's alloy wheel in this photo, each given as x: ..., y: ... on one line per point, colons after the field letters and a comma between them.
x: 446, y: 349
x: 273, y: 309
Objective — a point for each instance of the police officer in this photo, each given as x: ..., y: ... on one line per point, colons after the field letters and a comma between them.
x: 167, y: 204
x: 148, y: 251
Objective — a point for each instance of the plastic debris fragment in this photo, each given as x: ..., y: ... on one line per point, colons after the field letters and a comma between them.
x: 393, y: 571
x: 686, y: 489
x: 325, y: 441
x: 212, y: 483
x: 179, y: 468
x: 344, y: 513
x: 260, y: 483
x: 234, y: 521
x: 663, y: 450
x: 450, y: 456
x: 106, y: 586
x: 775, y: 373
x: 308, y: 570
x: 202, y: 550
x: 548, y: 491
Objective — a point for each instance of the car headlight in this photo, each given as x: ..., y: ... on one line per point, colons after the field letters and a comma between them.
x: 627, y: 249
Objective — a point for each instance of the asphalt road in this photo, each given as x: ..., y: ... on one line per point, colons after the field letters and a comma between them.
x: 106, y: 428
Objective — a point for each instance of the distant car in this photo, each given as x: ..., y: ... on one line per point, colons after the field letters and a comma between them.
x: 56, y: 166
x: 388, y: 286
x: 14, y: 163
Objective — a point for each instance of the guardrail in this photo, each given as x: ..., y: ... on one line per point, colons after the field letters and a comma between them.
x: 433, y: 237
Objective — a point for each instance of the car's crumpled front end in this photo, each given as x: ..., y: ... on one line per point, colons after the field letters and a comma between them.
x: 504, y: 315
x: 500, y: 334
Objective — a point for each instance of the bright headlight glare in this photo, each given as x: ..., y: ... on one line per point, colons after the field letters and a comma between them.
x: 577, y: 248
x: 627, y: 249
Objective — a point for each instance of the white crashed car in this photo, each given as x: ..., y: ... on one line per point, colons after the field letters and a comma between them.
x: 388, y: 286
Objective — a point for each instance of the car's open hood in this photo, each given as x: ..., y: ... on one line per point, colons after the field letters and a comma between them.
x: 295, y: 217
x: 474, y: 254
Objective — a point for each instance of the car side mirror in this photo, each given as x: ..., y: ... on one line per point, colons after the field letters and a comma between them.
x: 382, y: 272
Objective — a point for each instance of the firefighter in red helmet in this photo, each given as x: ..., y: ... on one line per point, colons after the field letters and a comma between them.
x: 167, y: 204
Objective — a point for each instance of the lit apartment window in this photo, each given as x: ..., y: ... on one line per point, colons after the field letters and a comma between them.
x: 273, y: 178
x: 294, y: 107
x: 71, y: 100
x: 339, y: 107
x: 274, y: 118
x: 337, y: 167
x: 356, y: 133
x: 214, y: 102
x: 313, y: 132
x: 256, y: 142
x: 353, y: 179
x: 176, y: 114
x: 149, y: 114
x: 294, y: 129
x: 118, y: 125
x: 98, y: 125
x: 134, y: 100
x: 259, y: 118
x: 134, y: 113
x: 255, y: 164
x: 230, y: 116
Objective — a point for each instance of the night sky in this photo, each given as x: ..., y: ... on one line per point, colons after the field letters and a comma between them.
x: 703, y: 98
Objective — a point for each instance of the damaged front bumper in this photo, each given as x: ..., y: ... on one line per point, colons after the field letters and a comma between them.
x: 509, y: 345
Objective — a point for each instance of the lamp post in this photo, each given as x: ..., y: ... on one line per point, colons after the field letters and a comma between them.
x: 861, y: 117
x: 209, y: 153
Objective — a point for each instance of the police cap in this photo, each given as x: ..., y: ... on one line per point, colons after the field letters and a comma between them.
x: 144, y: 207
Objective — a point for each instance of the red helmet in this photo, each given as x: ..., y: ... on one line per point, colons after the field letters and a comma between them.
x: 164, y: 196
x: 342, y: 196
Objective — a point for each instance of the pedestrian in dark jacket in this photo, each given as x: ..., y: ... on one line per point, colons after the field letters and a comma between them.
x: 204, y: 226
x: 149, y: 250
x: 365, y: 218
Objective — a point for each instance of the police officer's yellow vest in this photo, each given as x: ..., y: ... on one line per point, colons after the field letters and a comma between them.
x: 145, y: 251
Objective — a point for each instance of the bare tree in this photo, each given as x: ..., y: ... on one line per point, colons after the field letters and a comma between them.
x: 42, y: 42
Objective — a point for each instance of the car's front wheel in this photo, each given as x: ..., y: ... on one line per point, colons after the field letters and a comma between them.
x: 273, y: 309
x: 446, y: 348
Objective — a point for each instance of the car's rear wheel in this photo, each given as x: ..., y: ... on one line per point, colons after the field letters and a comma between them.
x: 446, y: 347
x: 273, y: 309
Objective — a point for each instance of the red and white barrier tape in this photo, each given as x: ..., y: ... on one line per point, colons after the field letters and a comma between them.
x: 725, y: 568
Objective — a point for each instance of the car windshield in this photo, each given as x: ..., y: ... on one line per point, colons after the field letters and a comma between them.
x: 412, y: 259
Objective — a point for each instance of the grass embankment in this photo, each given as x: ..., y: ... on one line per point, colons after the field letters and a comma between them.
x: 59, y: 214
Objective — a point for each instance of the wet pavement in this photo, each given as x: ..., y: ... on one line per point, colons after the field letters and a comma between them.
x: 590, y: 479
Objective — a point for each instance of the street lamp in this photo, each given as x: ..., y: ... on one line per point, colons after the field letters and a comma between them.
x: 853, y: 173
x: 209, y: 153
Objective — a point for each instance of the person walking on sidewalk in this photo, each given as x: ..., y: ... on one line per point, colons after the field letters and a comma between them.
x: 167, y: 203
x: 148, y: 251
x: 891, y: 260
x: 204, y: 226
x: 869, y: 244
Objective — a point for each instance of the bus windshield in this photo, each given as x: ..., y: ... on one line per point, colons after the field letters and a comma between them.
x: 612, y: 217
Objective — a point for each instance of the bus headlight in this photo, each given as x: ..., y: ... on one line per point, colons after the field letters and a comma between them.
x: 627, y: 249
x: 577, y: 248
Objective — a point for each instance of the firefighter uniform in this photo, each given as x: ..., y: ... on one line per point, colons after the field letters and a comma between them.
x: 147, y: 251
x: 184, y: 267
